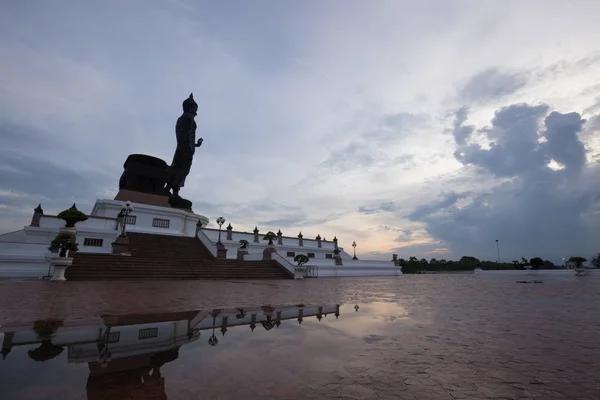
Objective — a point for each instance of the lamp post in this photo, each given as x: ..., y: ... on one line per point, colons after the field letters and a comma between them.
x: 125, y: 211
x: 354, y: 245
x: 498, y: 249
x: 220, y: 221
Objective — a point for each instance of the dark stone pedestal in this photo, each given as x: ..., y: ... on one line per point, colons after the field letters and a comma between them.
x: 121, y: 245
x: 145, y: 178
x: 221, y: 252
x: 338, y: 259
x: 145, y: 174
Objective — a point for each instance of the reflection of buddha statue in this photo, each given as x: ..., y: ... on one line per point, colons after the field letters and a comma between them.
x: 136, y: 377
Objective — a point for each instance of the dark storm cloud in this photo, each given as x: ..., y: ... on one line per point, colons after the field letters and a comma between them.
x: 289, y: 220
x: 446, y: 201
x: 420, y: 250
x: 299, y: 219
x: 405, y: 235
x: 562, y: 143
x: 492, y: 83
x: 537, y: 211
x: 461, y: 132
x: 513, y: 142
x: 26, y: 181
x: 389, y: 206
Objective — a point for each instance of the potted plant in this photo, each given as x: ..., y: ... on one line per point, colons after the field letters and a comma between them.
x: 578, y: 261
x: 71, y: 216
x: 270, y: 249
x: 243, y: 250
x: 62, y: 244
x: 270, y: 236
x: 300, y: 269
x: 301, y: 259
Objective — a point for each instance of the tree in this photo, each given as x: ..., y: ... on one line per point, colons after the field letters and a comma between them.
x: 433, y: 261
x: 578, y: 261
x: 468, y: 262
x: 549, y: 264
x: 596, y: 261
x: 536, y: 262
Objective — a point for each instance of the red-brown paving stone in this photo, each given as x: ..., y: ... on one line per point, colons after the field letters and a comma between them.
x: 459, y: 336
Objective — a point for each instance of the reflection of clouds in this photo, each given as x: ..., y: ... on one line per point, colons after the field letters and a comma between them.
x: 372, y: 318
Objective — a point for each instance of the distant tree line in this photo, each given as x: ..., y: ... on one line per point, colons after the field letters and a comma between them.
x: 467, y: 263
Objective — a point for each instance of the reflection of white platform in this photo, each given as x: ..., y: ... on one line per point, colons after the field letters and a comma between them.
x: 127, y: 339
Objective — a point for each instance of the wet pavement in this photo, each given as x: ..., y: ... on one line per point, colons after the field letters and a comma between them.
x: 411, y: 337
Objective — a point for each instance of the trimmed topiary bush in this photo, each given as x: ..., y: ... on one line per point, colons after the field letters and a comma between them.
x: 63, y: 242
x: 270, y: 236
x: 72, y: 216
x: 301, y: 259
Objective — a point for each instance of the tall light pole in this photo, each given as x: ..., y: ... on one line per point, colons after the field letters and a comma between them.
x: 220, y: 221
x: 498, y: 249
x: 354, y: 245
x: 125, y: 211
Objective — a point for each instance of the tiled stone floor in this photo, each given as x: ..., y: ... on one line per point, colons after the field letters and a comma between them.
x: 415, y: 337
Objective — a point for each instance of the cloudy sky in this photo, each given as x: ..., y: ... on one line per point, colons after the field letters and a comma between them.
x: 425, y: 128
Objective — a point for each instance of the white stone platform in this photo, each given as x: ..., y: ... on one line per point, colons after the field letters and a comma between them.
x: 25, y: 254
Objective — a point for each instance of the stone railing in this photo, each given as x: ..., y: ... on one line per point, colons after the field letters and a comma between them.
x: 207, y: 242
x: 284, y: 262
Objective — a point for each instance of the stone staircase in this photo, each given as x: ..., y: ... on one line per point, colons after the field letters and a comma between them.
x: 162, y: 257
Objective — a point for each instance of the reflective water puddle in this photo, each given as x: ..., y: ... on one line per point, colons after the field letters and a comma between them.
x: 220, y: 353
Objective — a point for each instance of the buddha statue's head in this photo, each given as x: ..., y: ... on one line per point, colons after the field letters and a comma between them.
x: 189, y: 105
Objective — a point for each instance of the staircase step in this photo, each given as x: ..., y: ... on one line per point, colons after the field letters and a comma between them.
x: 163, y: 257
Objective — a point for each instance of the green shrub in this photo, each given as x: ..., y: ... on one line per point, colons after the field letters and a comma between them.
x: 63, y: 242
x: 270, y: 236
x: 72, y: 216
x: 301, y: 259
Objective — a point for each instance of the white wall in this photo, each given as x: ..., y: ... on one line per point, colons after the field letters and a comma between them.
x: 289, y: 244
x: 182, y: 223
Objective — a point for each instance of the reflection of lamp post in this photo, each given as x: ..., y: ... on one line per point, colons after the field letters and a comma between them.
x: 220, y: 221
x: 104, y: 356
x: 354, y: 245
x: 213, y: 341
x: 125, y: 211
